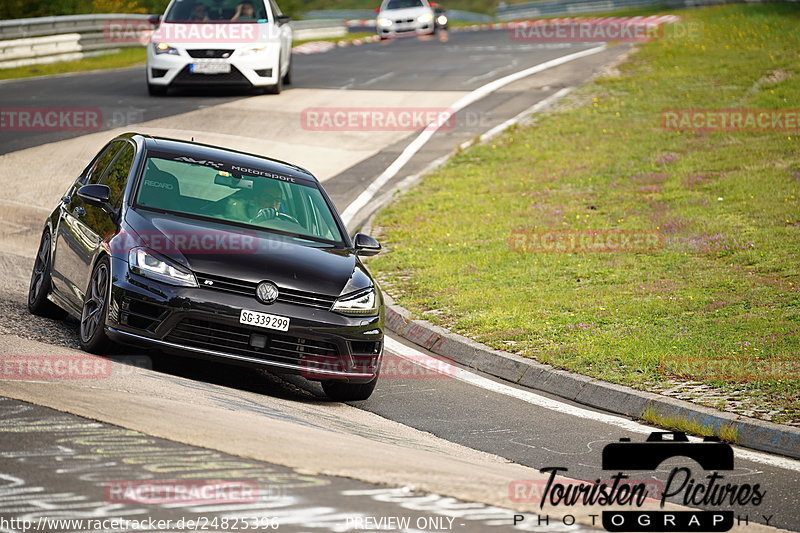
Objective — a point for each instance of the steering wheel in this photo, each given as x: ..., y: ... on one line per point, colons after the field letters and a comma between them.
x: 270, y: 213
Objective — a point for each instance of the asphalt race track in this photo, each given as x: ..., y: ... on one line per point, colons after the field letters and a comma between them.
x: 438, y: 450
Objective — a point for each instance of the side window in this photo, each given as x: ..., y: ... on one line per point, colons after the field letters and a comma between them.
x: 101, y: 163
x: 117, y: 175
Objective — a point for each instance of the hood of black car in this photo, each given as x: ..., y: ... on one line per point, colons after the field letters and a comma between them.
x: 252, y: 255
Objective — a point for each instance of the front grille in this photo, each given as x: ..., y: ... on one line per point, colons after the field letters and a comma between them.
x: 234, y: 77
x: 237, y: 340
x: 403, y: 21
x: 285, y: 295
x: 209, y: 53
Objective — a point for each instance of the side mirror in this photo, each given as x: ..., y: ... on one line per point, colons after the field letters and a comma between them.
x: 366, y: 246
x: 154, y: 20
x: 96, y: 195
x: 283, y: 19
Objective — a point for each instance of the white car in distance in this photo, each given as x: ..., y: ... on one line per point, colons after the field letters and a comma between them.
x: 231, y: 43
x: 405, y: 17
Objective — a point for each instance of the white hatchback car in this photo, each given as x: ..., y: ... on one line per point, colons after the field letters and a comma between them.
x: 405, y: 17
x: 245, y: 43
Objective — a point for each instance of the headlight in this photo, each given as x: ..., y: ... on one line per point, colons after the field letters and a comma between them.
x: 252, y: 51
x: 384, y: 22
x: 164, y: 48
x: 361, y: 303
x: 442, y: 20
x: 427, y: 17
x: 146, y: 264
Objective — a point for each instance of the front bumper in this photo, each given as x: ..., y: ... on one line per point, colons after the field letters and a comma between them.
x: 255, y: 70
x: 407, y: 28
x: 204, y: 322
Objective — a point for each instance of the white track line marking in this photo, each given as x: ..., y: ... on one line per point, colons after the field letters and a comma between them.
x: 438, y: 365
x: 530, y: 111
x: 364, y: 198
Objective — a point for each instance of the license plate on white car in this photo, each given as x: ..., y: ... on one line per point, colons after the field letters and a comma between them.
x: 210, y: 68
x: 264, y: 320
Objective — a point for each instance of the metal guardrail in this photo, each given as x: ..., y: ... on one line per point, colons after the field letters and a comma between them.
x: 50, y: 39
x: 367, y: 14
x: 347, y: 14
x: 579, y: 7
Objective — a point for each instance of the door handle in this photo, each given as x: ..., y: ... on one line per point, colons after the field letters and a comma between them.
x: 79, y: 211
x: 65, y: 200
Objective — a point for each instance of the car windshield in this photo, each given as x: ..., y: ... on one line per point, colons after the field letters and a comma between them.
x: 216, y: 11
x: 232, y: 194
x: 402, y: 4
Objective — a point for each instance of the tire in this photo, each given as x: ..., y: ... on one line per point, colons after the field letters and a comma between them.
x: 92, y: 333
x: 341, y: 391
x: 157, y: 90
x: 39, y: 288
x: 274, y: 89
x: 287, y: 78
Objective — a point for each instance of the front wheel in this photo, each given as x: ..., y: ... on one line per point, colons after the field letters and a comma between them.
x: 157, y: 90
x: 38, y: 304
x: 276, y: 88
x: 287, y: 78
x: 341, y: 391
x: 93, y: 337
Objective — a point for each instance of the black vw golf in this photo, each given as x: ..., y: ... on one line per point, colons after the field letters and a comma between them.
x: 207, y: 251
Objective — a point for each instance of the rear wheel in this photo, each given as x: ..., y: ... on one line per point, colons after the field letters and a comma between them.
x: 341, y: 391
x: 38, y: 304
x: 93, y: 337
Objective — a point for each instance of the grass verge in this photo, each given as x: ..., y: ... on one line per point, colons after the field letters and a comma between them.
x: 126, y: 57
x: 727, y: 433
x: 349, y: 37
x: 714, y: 314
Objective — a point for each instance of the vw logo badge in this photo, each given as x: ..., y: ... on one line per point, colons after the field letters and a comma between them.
x: 267, y: 292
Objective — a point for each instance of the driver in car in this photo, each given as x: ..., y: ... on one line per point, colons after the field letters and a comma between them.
x: 261, y: 204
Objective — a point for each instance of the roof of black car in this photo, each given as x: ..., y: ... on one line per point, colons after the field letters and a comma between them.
x: 209, y: 152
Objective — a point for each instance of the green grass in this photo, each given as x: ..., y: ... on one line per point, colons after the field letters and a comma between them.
x: 726, y: 285
x: 727, y: 433
x: 349, y: 37
x: 127, y: 57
